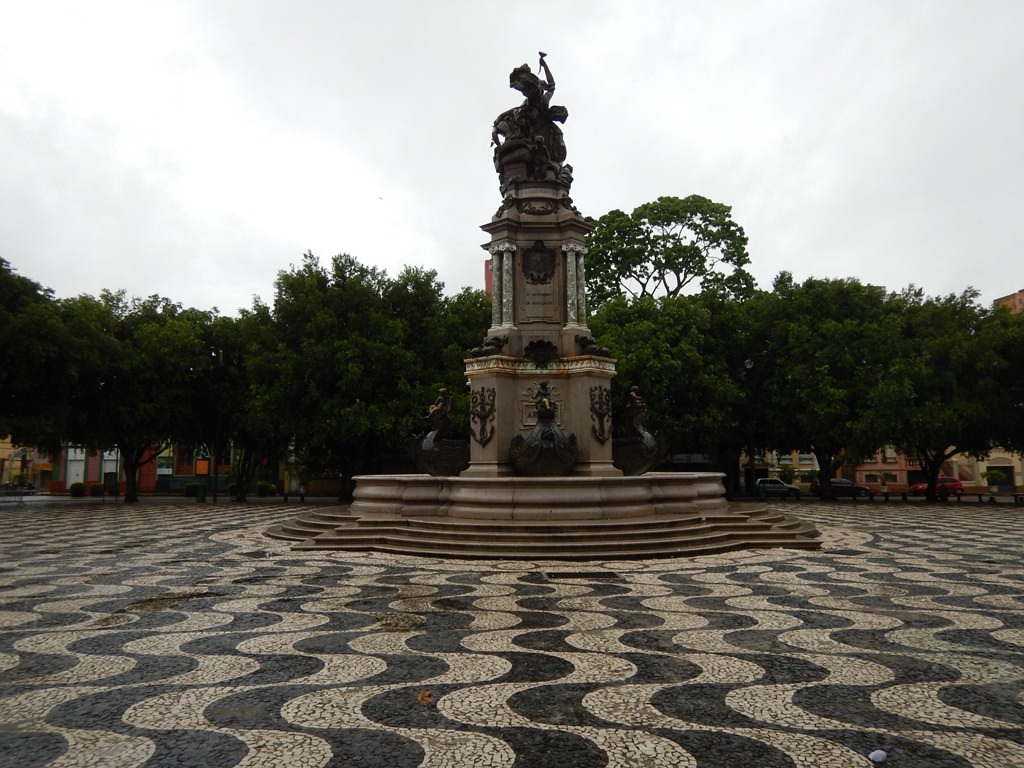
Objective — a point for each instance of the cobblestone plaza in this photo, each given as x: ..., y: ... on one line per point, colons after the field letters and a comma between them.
x: 178, y: 635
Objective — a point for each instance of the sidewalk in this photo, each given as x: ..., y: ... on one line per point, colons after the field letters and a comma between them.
x: 175, y: 634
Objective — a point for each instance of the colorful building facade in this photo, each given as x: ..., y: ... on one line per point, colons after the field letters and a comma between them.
x: 21, y: 465
x: 172, y: 470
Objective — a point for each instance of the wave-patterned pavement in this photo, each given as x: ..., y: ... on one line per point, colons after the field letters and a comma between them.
x: 177, y: 635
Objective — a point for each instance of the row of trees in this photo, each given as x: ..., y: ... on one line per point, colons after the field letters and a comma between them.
x: 830, y: 365
x: 338, y: 371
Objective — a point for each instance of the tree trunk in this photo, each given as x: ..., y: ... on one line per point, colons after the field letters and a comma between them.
x: 933, y: 466
x: 243, y: 477
x: 131, y: 480
x: 134, y: 457
x: 828, y: 463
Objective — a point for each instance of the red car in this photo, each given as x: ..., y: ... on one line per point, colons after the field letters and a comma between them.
x: 944, y: 486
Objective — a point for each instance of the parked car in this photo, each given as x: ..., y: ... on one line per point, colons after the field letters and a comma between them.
x: 840, y: 486
x: 943, y: 487
x: 772, y: 486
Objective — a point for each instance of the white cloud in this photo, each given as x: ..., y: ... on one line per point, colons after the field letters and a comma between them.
x: 195, y: 149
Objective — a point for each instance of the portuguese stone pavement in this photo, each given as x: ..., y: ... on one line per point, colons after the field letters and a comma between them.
x: 177, y: 635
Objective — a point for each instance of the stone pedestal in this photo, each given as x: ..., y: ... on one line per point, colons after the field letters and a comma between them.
x: 540, y: 332
x: 503, y: 405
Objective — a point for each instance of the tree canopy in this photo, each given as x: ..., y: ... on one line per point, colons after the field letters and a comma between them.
x: 666, y: 246
x: 944, y: 391
x: 359, y: 356
x: 33, y: 387
x: 825, y: 346
x: 135, y: 365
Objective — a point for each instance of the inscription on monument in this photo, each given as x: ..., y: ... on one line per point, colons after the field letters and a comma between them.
x: 530, y: 413
x: 539, y: 303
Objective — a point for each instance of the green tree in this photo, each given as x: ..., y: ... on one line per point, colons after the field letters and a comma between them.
x: 666, y: 246
x: 338, y: 373
x: 135, y: 366
x: 827, y: 345
x: 1009, y: 331
x: 240, y: 420
x: 465, y: 318
x: 943, y: 393
x: 339, y: 365
x: 674, y: 348
x: 34, y: 371
x: 415, y: 301
x: 746, y: 347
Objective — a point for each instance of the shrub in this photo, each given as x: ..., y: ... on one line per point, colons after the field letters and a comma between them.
x: 77, y: 490
x: 96, y: 489
x: 192, y: 490
x: 263, y: 488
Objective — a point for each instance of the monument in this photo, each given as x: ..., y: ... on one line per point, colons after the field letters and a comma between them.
x: 545, y: 476
x: 538, y: 336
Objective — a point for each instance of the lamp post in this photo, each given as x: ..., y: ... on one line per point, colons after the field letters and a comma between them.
x: 218, y: 356
x: 752, y: 375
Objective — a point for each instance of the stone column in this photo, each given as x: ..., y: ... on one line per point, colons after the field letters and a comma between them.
x: 501, y: 274
x: 496, y: 286
x: 571, y: 292
x: 575, y: 284
x: 581, y: 286
x: 507, y: 285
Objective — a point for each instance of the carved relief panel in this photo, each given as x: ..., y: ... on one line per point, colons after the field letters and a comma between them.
x: 601, y: 413
x: 481, y: 414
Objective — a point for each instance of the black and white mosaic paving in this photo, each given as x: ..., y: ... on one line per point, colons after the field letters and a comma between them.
x: 177, y: 635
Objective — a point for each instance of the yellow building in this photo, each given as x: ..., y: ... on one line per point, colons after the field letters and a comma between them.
x: 19, y: 463
x: 6, y: 450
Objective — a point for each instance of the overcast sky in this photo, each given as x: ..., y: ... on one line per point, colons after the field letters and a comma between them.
x: 195, y: 149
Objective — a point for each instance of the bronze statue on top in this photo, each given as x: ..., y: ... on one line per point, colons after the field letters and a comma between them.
x: 528, y: 144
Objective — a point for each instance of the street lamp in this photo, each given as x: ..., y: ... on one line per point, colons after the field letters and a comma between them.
x: 748, y: 375
x: 218, y: 355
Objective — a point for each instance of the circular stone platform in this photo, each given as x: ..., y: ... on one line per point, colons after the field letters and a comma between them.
x: 540, y: 498
x: 577, y: 518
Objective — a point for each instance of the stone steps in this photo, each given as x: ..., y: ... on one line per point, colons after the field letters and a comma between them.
x: 654, y: 536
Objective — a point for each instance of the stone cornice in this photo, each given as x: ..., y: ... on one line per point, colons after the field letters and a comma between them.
x: 516, y: 366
